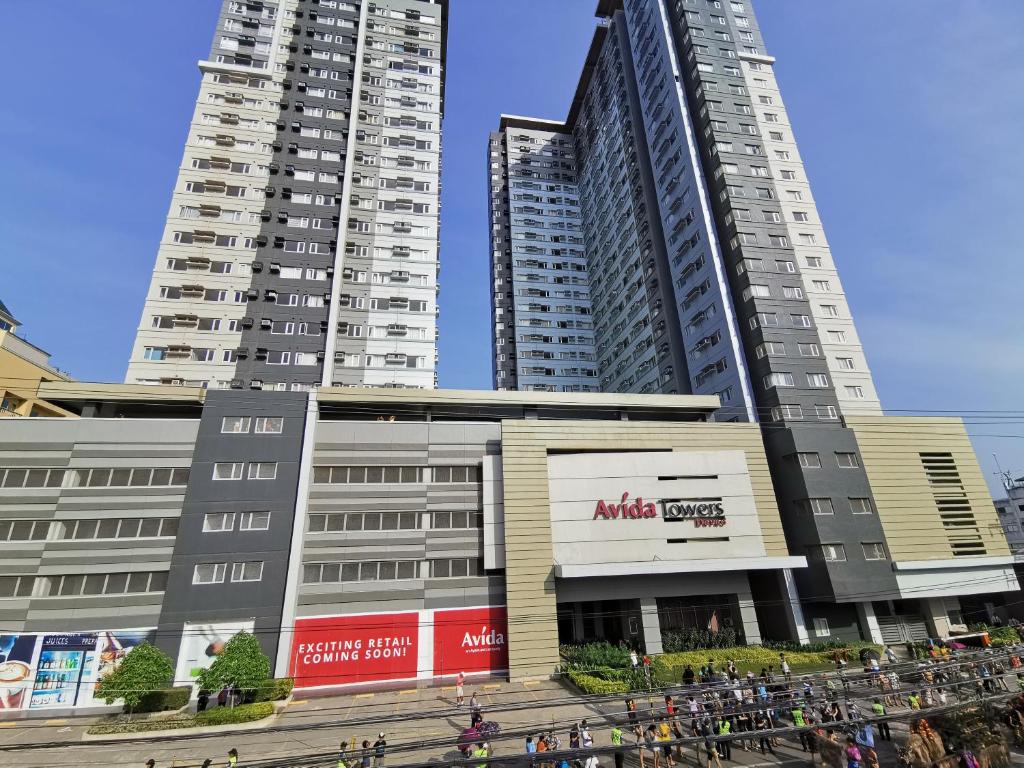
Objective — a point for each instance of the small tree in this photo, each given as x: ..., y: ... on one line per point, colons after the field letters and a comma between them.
x: 242, y: 664
x: 143, y: 669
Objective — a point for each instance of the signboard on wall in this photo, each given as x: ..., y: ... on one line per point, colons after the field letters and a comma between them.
x: 380, y: 647
x: 203, y: 642
x: 17, y: 657
x: 340, y: 650
x: 61, y: 669
x: 470, y: 640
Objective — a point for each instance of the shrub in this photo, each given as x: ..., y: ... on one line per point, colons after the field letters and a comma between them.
x: 144, y: 668
x: 244, y: 713
x: 162, y: 701
x: 693, y: 639
x: 242, y: 664
x: 594, y: 655
x: 275, y: 689
x: 591, y: 684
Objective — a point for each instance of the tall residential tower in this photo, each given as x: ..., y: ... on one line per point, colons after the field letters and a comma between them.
x: 301, y: 247
x: 708, y: 273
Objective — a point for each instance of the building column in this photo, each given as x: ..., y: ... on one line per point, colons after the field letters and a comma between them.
x: 748, y: 617
x: 869, y: 629
x: 652, y: 625
x: 792, y: 608
x: 936, y: 615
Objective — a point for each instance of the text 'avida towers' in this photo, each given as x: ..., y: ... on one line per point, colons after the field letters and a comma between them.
x: 301, y: 247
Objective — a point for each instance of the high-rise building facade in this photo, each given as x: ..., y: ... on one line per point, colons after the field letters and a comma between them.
x: 710, y: 274
x: 544, y: 335
x: 301, y: 247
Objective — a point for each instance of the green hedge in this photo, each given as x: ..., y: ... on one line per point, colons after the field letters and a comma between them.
x: 669, y: 667
x: 592, y: 684
x: 245, y: 713
x: 162, y: 701
x: 275, y: 690
x: 594, y: 655
x: 696, y: 639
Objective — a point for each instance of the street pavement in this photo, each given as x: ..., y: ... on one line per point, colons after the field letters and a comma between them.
x: 421, y: 725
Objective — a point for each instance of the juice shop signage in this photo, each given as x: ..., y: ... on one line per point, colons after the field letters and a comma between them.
x: 704, y: 514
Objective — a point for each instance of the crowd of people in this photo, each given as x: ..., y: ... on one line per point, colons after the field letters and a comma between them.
x: 718, y: 709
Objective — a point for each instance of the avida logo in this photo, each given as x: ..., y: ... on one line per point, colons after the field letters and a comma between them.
x: 632, y: 510
x: 484, y: 639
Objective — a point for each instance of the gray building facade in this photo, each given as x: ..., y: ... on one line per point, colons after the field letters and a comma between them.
x: 301, y: 247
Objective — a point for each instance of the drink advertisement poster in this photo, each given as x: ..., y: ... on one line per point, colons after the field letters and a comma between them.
x: 62, y: 661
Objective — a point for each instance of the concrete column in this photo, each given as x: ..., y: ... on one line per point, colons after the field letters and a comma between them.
x: 748, y: 617
x: 577, y: 622
x: 869, y: 629
x: 652, y: 625
x: 936, y: 616
x: 792, y: 608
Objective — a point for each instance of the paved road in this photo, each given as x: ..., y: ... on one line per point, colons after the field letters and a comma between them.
x: 421, y: 726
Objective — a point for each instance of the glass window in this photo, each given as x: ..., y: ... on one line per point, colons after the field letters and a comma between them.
x: 228, y: 471
x: 117, y: 584
x: 254, y: 521
x: 248, y: 571
x: 861, y: 506
x: 263, y: 470
x: 216, y: 522
x: 874, y: 550
x: 847, y: 460
x: 269, y: 425
x: 209, y: 573
x: 809, y: 460
x: 235, y: 424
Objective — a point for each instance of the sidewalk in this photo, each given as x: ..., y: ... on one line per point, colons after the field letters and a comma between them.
x: 319, y: 717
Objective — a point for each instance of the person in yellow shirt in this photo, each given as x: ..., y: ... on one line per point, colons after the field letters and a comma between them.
x: 665, y: 739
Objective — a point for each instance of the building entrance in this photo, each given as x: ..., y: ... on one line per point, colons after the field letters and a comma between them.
x: 613, y: 621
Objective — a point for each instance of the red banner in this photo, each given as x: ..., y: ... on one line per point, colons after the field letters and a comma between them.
x: 340, y: 650
x: 470, y: 640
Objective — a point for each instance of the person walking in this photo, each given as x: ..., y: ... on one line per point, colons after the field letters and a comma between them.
x: 890, y: 655
x: 688, y: 675
x: 638, y: 742
x: 865, y: 738
x: 380, y: 747
x: 343, y: 761
x: 232, y: 757
x: 665, y: 739
x: 761, y: 724
x: 151, y: 763
x: 367, y: 755
x: 460, y: 692
x: 708, y: 732
x: 650, y: 742
x: 631, y: 710
x: 784, y: 666
x: 480, y: 753
x: 634, y: 660
x: 616, y: 735
x: 724, y: 745
x: 853, y: 755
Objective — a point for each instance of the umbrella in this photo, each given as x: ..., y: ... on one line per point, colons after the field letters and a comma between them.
x: 467, y: 739
x: 869, y: 653
x: 489, y: 728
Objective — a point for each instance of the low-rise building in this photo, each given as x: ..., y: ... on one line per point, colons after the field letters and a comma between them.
x: 23, y: 367
x: 384, y: 536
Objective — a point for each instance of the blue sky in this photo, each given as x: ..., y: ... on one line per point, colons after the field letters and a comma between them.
x: 908, y: 116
